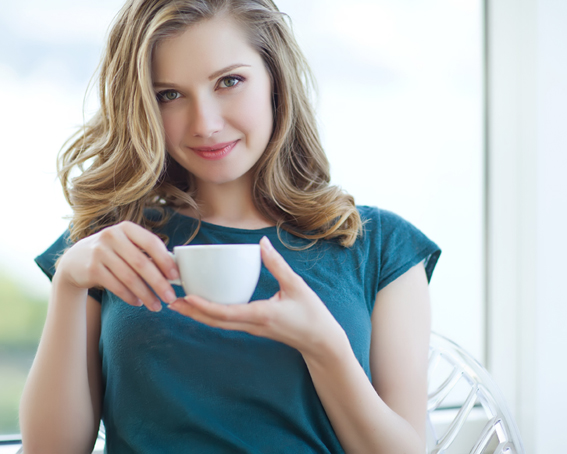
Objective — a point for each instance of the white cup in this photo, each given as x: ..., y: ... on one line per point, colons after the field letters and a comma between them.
x: 222, y: 273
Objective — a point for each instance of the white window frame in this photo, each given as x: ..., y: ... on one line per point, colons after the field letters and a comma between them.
x: 526, y: 203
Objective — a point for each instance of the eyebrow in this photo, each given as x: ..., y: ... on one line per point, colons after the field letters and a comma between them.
x: 211, y: 77
x: 226, y: 70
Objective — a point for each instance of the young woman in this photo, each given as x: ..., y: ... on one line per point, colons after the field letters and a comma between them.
x: 206, y: 135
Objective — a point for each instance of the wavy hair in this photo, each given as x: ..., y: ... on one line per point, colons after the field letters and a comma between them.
x: 120, y: 155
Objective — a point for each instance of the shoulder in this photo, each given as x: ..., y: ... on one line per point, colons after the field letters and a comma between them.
x: 395, y: 244
x: 373, y: 213
x: 377, y: 221
x: 385, y: 223
x: 47, y: 260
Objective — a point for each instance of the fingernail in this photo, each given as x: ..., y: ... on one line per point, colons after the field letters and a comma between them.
x: 267, y: 243
x: 173, y: 274
x: 156, y: 306
x: 173, y: 306
x: 139, y: 302
x: 170, y: 296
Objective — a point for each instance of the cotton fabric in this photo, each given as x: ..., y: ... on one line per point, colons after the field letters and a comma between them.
x: 173, y: 385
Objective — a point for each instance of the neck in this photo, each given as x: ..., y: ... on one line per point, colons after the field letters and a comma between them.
x: 230, y: 205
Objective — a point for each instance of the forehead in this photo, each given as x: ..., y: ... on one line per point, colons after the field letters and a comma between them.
x: 202, y: 49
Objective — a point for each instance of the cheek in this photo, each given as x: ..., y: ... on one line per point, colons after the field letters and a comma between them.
x: 254, y: 114
x: 172, y: 126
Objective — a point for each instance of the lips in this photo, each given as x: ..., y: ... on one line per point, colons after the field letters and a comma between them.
x: 215, y: 152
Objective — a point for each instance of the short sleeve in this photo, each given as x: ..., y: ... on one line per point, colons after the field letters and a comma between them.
x: 48, y: 259
x: 402, y: 246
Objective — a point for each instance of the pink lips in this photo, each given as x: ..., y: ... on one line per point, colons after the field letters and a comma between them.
x: 215, y: 152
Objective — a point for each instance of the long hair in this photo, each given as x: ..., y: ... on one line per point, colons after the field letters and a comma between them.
x: 121, y: 157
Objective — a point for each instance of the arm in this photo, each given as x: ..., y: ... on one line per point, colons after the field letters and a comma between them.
x: 389, y: 416
x: 61, y: 403
x: 401, y: 324
x: 364, y: 420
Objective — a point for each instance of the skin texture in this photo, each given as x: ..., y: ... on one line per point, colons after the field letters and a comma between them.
x: 201, y: 111
x: 60, y: 407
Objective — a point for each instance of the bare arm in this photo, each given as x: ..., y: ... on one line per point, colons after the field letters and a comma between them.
x: 60, y: 406
x: 401, y: 324
x: 387, y: 419
x: 61, y: 403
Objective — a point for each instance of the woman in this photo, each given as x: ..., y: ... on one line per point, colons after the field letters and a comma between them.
x: 206, y: 135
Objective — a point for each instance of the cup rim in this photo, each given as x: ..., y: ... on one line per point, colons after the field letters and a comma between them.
x: 217, y: 246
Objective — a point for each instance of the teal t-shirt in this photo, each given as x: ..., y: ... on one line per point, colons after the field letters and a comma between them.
x: 174, y: 385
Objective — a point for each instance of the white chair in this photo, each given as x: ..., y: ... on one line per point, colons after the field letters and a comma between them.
x: 466, y: 412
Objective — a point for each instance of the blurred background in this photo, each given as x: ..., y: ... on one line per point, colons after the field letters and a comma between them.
x: 400, y: 109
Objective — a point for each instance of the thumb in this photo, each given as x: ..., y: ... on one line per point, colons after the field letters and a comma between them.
x: 276, y: 265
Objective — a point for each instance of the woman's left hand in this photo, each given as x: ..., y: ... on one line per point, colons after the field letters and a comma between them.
x: 295, y: 315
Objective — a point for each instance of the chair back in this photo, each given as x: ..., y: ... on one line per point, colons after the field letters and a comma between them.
x: 466, y: 412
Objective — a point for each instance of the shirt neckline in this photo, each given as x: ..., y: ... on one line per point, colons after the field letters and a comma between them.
x: 223, y: 228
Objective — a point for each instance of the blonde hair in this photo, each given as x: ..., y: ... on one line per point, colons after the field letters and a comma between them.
x: 124, y: 166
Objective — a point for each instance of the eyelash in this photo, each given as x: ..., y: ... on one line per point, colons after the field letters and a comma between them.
x: 239, y: 79
x: 161, y: 96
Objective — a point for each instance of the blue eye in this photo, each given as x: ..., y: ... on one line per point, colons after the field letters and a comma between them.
x: 168, y: 95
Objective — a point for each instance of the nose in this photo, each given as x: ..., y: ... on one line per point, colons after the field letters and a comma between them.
x: 205, y: 118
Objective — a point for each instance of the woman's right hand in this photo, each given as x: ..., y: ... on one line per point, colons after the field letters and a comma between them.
x: 126, y: 259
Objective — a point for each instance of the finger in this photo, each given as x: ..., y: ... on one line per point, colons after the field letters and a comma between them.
x: 143, y: 266
x: 195, y: 312
x: 153, y: 246
x: 120, y: 290
x: 252, y: 313
x: 131, y: 280
x: 276, y: 264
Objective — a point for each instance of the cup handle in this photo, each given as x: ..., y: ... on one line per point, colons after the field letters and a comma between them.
x: 174, y: 281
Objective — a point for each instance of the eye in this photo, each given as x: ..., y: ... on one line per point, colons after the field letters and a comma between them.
x: 167, y: 95
x: 230, y: 81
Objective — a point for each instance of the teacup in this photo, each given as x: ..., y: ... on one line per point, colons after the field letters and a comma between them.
x: 222, y: 273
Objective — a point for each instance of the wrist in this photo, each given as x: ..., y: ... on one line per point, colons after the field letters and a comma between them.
x: 66, y: 289
x: 67, y: 270
x: 329, y: 349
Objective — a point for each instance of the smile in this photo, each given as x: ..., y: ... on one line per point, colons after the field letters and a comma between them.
x: 215, y: 152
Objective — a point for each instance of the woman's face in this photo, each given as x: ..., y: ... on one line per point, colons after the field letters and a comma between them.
x: 215, y: 98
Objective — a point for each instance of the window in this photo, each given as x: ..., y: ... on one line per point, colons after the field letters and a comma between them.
x: 401, y: 114
x: 400, y: 110
x: 48, y: 52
